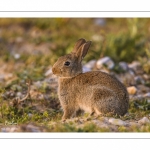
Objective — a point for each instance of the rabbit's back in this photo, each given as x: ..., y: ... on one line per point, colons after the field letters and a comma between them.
x: 89, y: 90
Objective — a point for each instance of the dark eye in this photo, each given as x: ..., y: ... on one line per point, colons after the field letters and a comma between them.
x: 67, y: 63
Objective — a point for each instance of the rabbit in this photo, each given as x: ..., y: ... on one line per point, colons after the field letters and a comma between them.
x: 95, y: 92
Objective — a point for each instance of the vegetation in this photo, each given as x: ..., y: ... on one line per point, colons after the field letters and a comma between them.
x: 29, y: 46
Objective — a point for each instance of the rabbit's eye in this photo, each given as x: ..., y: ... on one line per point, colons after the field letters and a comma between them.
x: 67, y: 63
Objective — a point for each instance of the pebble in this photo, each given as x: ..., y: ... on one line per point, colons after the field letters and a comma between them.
x: 123, y: 66
x: 105, y: 61
x: 90, y: 64
x: 147, y: 94
x: 85, y: 69
x: 101, y: 124
x: 17, y: 56
x: 144, y: 120
x: 31, y: 128
x: 133, y: 124
x: 132, y: 90
x: 118, y: 122
x: 9, y: 129
x: 136, y: 66
x: 48, y: 72
x: 100, y: 21
x: 19, y: 94
x: 139, y: 80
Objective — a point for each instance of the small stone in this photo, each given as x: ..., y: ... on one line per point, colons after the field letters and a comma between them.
x: 48, y: 72
x: 16, y: 87
x: 31, y: 128
x: 144, y: 120
x: 123, y: 66
x: 136, y: 66
x: 100, y: 21
x: 9, y: 129
x: 85, y: 69
x: 134, y: 124
x: 132, y: 90
x: 19, y: 94
x: 30, y: 115
x: 139, y: 80
x: 146, y: 77
x: 118, y: 122
x: 147, y: 94
x: 37, y: 84
x: 101, y: 124
x: 106, y: 61
x: 142, y: 88
x: 16, y: 56
x: 90, y: 64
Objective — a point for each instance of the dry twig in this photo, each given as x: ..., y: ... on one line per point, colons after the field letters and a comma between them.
x: 17, y: 101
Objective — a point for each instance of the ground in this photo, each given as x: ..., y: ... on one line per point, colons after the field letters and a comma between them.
x: 28, y: 89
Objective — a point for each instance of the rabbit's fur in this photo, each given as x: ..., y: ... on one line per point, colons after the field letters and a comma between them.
x: 94, y: 92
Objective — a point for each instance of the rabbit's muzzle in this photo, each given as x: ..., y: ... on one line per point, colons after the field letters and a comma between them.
x: 54, y: 70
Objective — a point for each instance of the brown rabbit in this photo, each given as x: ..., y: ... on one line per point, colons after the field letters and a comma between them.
x: 94, y: 92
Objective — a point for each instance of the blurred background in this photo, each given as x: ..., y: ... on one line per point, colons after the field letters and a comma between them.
x: 30, y: 46
x: 38, y: 42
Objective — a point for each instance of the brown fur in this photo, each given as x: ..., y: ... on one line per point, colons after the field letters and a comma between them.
x: 94, y: 92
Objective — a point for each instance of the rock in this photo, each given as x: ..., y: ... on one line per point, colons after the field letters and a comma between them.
x: 133, y: 124
x: 16, y: 87
x: 100, y: 21
x: 147, y: 95
x: 143, y: 89
x: 139, y: 80
x: 48, y: 72
x: 136, y: 66
x: 146, y: 77
x: 31, y: 128
x: 30, y: 115
x: 37, y: 84
x: 143, y: 121
x: 135, y: 97
x: 19, y: 94
x: 85, y: 69
x: 16, y: 56
x: 9, y: 129
x: 105, y: 62
x: 118, y: 122
x: 90, y: 64
x: 101, y: 124
x: 132, y: 90
x: 123, y: 66
x: 126, y: 78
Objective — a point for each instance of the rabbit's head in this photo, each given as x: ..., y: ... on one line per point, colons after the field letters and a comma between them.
x: 70, y: 65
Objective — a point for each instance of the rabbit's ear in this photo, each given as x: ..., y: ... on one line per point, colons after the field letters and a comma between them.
x: 78, y: 44
x: 82, y: 51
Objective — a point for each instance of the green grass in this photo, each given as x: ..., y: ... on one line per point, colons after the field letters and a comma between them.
x: 122, y: 39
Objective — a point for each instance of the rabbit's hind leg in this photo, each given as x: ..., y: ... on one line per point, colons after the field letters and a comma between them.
x: 103, y: 101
